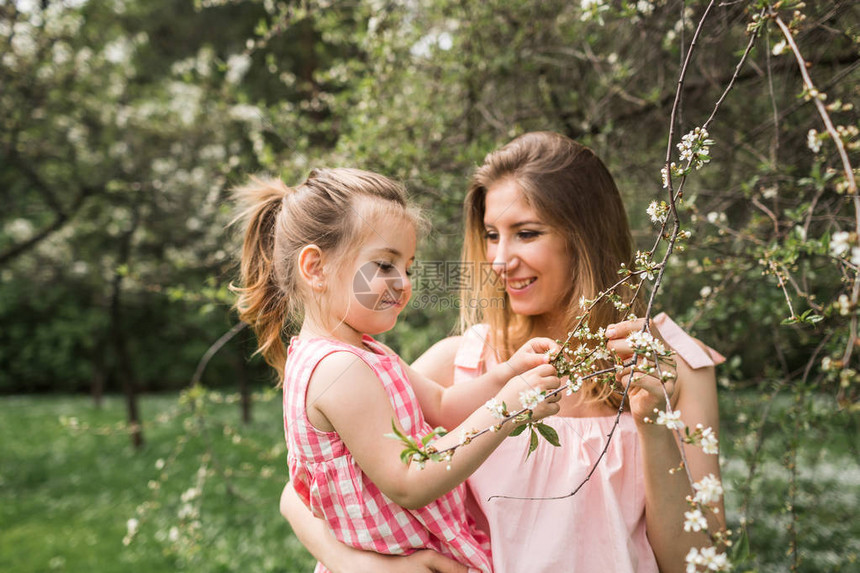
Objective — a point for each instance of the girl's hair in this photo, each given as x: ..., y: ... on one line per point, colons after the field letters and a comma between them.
x: 572, y: 191
x: 328, y: 210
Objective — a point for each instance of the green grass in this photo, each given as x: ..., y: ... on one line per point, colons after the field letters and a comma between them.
x: 66, y: 494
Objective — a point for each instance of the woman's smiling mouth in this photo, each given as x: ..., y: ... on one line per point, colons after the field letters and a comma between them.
x: 520, y: 284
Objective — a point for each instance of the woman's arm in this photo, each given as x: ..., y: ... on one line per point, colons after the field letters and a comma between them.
x: 667, y: 486
x: 437, y: 362
x: 340, y: 558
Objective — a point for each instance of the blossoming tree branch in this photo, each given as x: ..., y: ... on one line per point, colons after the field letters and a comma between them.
x: 584, y: 351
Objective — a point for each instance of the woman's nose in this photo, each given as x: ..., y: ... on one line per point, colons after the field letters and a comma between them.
x: 503, y: 258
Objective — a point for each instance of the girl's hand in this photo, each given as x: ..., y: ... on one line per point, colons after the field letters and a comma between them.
x: 522, y: 388
x: 647, y: 392
x: 531, y: 354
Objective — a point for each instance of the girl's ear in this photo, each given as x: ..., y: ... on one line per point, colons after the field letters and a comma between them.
x: 311, y: 267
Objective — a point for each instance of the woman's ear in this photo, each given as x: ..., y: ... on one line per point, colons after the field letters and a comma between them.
x: 311, y: 267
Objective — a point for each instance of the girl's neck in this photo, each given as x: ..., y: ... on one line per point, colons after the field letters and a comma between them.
x: 342, y: 332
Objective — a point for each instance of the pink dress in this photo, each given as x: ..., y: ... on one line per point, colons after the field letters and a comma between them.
x: 602, y: 527
x: 328, y: 480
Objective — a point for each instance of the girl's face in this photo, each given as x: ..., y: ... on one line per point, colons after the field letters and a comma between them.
x: 528, y: 255
x: 373, y: 286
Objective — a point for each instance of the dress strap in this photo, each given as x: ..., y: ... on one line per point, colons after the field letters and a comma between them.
x: 469, y: 360
x: 685, y: 345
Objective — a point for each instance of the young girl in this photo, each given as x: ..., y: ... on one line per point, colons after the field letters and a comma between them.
x: 335, y: 253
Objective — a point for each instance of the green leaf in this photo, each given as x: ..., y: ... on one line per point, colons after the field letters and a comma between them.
x: 533, y: 441
x: 549, y: 434
x: 741, y: 548
x: 518, y: 430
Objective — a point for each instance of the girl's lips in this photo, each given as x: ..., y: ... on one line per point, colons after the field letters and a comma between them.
x: 388, y: 303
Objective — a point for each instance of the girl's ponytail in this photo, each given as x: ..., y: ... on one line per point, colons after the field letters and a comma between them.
x: 262, y: 302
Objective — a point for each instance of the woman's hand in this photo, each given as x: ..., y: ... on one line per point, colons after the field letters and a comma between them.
x: 425, y: 561
x: 531, y: 354
x: 647, y: 391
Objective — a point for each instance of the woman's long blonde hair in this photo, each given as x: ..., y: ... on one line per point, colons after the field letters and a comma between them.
x: 278, y: 222
x: 573, y: 192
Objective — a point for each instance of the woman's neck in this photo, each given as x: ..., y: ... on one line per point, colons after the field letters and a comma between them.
x: 549, y: 327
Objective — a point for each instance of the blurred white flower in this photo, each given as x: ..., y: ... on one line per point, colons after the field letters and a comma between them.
x: 237, y: 66
x: 813, y: 141
x: 840, y: 243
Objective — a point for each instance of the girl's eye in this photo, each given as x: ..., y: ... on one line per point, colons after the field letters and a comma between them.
x: 385, y: 267
x: 528, y: 234
x: 409, y: 272
x: 491, y: 235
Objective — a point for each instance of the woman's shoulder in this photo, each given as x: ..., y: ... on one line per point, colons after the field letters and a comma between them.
x: 694, y: 352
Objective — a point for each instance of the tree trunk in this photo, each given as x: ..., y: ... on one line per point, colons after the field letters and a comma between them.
x: 124, y: 367
x: 97, y: 386
x: 241, y: 366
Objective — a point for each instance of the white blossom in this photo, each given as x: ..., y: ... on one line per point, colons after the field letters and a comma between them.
x: 131, y: 525
x: 593, y: 10
x: 574, y: 385
x: 658, y: 212
x: 840, y: 243
x: 644, y: 7
x: 709, y: 441
x: 694, y: 147
x: 646, y: 344
x: 779, y: 47
x: 844, y: 305
x: 531, y: 398
x: 708, y: 490
x: 672, y: 420
x: 813, y: 142
x: 495, y: 408
x: 708, y: 558
x: 237, y: 67
x: 694, y: 520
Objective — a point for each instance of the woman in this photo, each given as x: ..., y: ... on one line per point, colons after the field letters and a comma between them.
x: 546, y: 214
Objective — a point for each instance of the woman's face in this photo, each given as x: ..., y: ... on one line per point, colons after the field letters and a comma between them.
x: 526, y: 253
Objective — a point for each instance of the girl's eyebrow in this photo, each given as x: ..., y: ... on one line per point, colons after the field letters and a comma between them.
x: 392, y: 251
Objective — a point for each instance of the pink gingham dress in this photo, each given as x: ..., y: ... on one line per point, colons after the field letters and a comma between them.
x: 329, y: 481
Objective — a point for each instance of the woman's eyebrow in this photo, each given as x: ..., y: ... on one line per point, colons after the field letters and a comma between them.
x: 519, y: 224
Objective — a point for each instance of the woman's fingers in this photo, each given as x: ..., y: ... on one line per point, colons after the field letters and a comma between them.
x: 624, y: 328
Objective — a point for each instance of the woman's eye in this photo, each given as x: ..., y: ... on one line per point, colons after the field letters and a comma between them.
x: 491, y: 235
x: 409, y: 272
x: 528, y: 234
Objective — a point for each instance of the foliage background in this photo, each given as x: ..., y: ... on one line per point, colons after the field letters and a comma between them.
x: 125, y: 123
